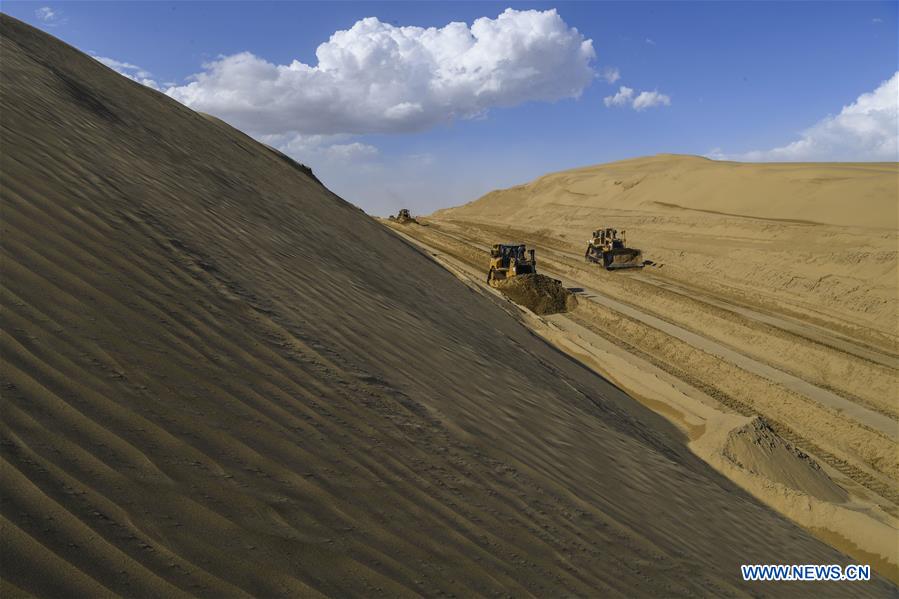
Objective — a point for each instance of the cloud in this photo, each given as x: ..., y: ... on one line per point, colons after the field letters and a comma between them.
x: 131, y: 71
x: 49, y: 16
x: 650, y: 100
x: 877, y: 20
x: 381, y: 183
x: 45, y: 13
x: 624, y: 96
x: 865, y: 130
x: 351, y: 152
x: 650, y: 41
x: 610, y: 74
x: 311, y: 149
x: 379, y: 78
x: 640, y: 102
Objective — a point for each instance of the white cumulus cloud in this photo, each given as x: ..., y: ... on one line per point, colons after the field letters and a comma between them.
x: 650, y: 99
x: 624, y: 96
x: 639, y: 102
x: 379, y: 78
x: 865, y: 130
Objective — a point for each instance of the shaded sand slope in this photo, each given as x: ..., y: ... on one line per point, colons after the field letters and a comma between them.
x: 820, y: 240
x: 220, y: 379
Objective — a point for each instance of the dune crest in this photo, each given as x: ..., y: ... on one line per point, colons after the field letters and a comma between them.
x: 844, y: 194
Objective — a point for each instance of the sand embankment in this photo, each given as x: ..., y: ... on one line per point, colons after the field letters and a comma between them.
x: 636, y: 338
x: 756, y: 301
x: 817, y: 240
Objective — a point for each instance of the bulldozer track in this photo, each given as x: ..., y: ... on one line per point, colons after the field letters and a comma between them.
x: 858, y: 475
x: 802, y: 328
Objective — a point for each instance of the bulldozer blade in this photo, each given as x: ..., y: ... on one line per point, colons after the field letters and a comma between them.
x: 625, y: 258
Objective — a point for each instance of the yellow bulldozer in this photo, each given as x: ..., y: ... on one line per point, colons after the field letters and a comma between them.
x: 508, y: 260
x: 403, y: 217
x: 606, y: 247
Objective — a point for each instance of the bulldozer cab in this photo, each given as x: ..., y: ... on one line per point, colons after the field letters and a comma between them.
x: 609, y: 238
x: 507, y: 252
x: 509, y: 260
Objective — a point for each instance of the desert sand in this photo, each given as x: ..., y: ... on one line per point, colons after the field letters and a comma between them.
x: 220, y: 379
x: 761, y: 327
x: 818, y: 240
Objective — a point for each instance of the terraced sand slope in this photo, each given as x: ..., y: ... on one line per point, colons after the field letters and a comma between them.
x: 820, y: 240
x: 219, y: 379
x: 771, y: 290
x: 768, y: 401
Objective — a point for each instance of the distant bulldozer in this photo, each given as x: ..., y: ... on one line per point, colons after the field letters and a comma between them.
x: 403, y: 217
x: 610, y: 250
x: 508, y: 260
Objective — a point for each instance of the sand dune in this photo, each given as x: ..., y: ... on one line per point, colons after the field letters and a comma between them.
x: 220, y: 379
x: 771, y: 291
x: 844, y: 194
x: 820, y: 240
x: 824, y: 457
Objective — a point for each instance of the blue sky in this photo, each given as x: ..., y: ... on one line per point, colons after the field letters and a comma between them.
x: 741, y: 80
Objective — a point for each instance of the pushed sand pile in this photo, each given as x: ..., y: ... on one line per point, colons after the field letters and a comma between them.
x: 758, y: 449
x: 538, y: 293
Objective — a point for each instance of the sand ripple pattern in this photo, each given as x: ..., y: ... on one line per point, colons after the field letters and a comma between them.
x: 219, y: 379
